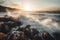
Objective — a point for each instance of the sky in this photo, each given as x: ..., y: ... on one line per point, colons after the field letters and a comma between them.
x: 31, y: 4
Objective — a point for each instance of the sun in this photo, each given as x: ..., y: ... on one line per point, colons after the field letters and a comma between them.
x: 27, y: 7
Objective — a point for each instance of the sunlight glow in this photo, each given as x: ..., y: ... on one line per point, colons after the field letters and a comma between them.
x: 27, y: 7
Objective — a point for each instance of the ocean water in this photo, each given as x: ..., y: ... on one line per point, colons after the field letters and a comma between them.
x: 49, y: 22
